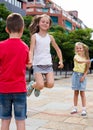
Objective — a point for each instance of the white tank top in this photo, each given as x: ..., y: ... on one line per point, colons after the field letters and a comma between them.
x: 42, y: 54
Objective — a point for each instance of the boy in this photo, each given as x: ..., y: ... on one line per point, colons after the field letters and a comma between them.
x: 13, y: 59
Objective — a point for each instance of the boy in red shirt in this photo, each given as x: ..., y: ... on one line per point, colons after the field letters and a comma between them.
x: 14, y: 55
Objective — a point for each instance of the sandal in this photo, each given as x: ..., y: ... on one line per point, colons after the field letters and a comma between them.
x: 37, y: 92
x: 30, y: 88
x: 74, y: 111
x: 84, y: 113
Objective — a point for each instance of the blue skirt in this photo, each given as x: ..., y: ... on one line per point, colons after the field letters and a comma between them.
x: 76, y: 84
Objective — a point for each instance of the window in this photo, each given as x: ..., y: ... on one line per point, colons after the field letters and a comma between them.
x: 45, y: 10
x: 17, y: 3
x: 68, y: 24
x: 9, y: 1
x: 54, y: 19
x: 13, y: 2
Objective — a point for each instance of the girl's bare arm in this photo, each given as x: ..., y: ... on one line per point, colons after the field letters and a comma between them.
x: 83, y: 61
x: 58, y: 51
x: 32, y: 45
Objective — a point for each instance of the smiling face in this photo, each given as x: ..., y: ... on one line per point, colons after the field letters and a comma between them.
x: 44, y: 23
x: 79, y: 49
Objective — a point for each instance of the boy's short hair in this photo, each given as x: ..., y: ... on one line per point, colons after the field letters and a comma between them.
x: 14, y: 22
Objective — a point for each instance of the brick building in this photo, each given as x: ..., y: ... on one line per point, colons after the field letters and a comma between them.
x: 67, y: 19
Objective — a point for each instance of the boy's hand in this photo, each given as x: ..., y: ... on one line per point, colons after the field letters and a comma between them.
x: 61, y: 65
x: 29, y: 65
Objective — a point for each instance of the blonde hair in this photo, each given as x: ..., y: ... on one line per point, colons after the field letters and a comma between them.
x: 34, y: 26
x: 85, y: 47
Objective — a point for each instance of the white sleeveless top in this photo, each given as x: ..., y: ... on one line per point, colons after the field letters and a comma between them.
x: 42, y: 54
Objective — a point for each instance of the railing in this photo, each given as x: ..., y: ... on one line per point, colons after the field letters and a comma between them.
x: 66, y: 71
x: 58, y: 72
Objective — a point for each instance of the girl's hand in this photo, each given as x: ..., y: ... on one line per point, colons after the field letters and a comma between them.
x: 89, y: 61
x: 61, y: 65
x: 82, y: 78
x: 29, y: 65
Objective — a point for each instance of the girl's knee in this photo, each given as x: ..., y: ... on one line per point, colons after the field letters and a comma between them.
x: 40, y: 86
x: 76, y: 92
x: 50, y: 85
x: 82, y: 94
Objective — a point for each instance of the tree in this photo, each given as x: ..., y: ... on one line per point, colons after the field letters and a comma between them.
x: 27, y: 20
x: 56, y: 28
x: 3, y: 34
x: 66, y: 42
x: 26, y: 36
x: 82, y: 35
x: 4, y: 12
x: 59, y: 34
x: 26, y: 33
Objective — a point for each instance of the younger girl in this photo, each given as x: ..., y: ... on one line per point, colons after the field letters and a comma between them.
x: 81, y: 67
x: 40, y: 54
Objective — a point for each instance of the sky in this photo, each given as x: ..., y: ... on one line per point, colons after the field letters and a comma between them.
x: 84, y: 8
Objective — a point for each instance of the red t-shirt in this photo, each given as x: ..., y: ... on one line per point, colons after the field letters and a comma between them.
x: 13, y: 59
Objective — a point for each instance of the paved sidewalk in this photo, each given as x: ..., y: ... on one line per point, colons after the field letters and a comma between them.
x: 51, y: 110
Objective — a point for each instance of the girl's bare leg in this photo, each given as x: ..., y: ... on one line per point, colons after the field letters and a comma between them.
x: 39, y: 81
x: 49, y: 83
x: 83, y: 98
x: 76, y: 93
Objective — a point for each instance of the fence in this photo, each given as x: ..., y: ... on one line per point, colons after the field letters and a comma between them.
x: 66, y: 71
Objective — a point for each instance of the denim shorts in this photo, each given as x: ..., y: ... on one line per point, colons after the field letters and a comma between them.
x: 44, y: 69
x: 76, y: 84
x: 15, y: 101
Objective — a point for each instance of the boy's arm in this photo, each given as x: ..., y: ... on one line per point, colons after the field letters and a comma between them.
x: 58, y: 51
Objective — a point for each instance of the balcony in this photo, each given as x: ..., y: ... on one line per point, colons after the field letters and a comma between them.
x: 35, y: 4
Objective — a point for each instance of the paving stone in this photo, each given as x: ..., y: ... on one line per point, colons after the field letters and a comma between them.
x: 51, y: 110
x: 63, y: 126
x: 89, y: 128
